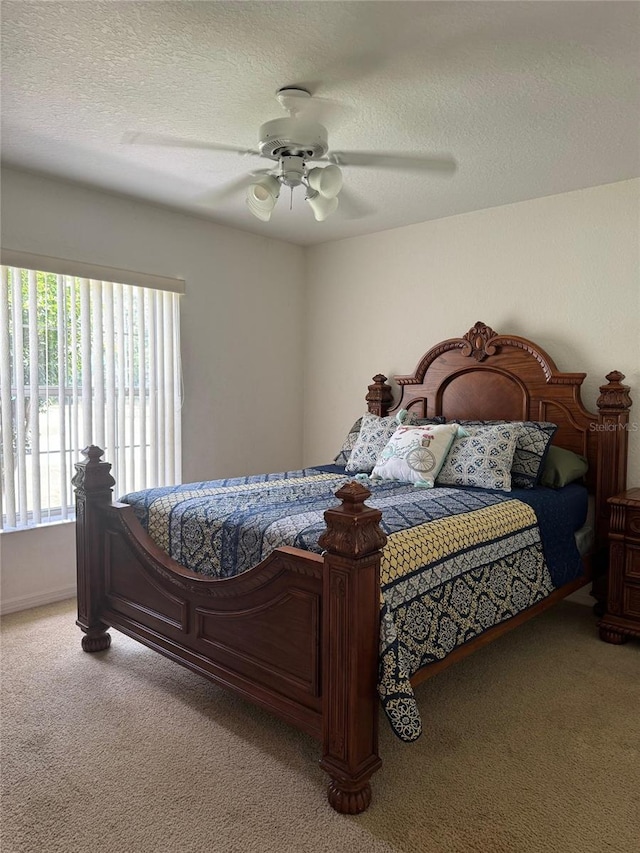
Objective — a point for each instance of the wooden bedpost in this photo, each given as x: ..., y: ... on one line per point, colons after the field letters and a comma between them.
x: 350, y: 631
x: 93, y: 483
x: 613, y: 404
x: 379, y: 396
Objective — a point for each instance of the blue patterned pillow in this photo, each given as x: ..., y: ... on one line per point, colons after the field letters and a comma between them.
x: 532, y: 446
x: 348, y: 444
x: 372, y: 439
x: 482, y: 459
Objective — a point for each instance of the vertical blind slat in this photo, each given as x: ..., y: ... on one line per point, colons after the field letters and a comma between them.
x: 63, y: 480
x: 110, y: 373
x: 153, y: 392
x: 34, y: 396
x: 18, y: 380
x: 8, y: 463
x: 177, y: 384
x: 141, y: 382
x: 131, y: 386
x: 85, y: 351
x: 120, y: 389
x: 160, y: 385
x: 169, y: 412
x: 74, y: 343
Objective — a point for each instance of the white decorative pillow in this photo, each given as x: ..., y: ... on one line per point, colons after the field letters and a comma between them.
x: 414, y: 454
x: 482, y: 459
x: 374, y: 434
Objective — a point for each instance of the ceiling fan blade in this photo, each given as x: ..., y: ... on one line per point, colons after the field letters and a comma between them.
x: 133, y: 138
x: 390, y: 160
x: 352, y: 206
x: 217, y: 195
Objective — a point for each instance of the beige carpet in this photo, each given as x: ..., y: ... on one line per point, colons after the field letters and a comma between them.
x: 530, y: 745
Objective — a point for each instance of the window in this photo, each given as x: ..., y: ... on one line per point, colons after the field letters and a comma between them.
x: 84, y: 361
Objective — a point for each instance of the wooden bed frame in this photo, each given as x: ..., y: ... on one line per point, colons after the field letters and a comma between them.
x: 298, y: 634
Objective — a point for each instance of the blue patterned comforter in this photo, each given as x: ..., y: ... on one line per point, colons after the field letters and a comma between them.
x: 457, y: 562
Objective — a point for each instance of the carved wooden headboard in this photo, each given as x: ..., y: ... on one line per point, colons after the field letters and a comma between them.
x: 487, y: 376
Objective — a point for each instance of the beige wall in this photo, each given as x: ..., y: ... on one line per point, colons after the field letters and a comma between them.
x: 241, y: 328
x: 562, y: 270
x: 37, y: 566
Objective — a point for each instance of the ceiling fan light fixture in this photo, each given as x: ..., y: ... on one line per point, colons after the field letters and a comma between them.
x: 262, y: 197
x: 264, y: 193
x: 327, y: 181
x: 321, y: 206
x: 264, y: 215
x: 258, y: 212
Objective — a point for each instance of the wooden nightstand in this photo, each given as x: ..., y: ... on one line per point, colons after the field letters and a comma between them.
x: 622, y: 617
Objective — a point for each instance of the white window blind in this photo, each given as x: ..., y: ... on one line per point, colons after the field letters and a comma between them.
x: 84, y: 361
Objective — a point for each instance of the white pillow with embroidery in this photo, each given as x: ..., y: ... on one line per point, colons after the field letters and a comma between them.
x: 415, y: 454
x: 374, y: 434
x: 482, y: 459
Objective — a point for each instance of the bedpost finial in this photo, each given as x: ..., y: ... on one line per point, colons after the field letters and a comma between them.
x: 92, y: 475
x: 614, y: 395
x: 354, y: 494
x: 352, y: 528
x: 380, y: 396
x: 93, y: 454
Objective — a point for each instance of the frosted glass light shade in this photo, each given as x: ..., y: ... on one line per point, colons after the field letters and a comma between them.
x: 263, y: 194
x: 327, y: 181
x: 321, y: 206
x: 259, y: 212
x: 262, y: 197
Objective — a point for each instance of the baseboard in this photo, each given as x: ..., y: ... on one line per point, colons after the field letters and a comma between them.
x: 26, y: 602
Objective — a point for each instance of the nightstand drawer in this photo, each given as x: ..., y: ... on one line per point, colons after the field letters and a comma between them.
x: 631, y: 601
x: 632, y: 561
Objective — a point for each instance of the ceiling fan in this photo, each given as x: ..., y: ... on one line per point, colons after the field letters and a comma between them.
x: 297, y: 143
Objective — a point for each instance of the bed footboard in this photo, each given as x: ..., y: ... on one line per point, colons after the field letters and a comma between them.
x: 298, y: 634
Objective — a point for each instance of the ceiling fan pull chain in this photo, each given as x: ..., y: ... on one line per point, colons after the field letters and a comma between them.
x: 291, y: 199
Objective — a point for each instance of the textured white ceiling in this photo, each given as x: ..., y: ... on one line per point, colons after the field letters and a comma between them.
x: 530, y: 98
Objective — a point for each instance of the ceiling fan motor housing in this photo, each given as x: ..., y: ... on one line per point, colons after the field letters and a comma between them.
x: 284, y: 137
